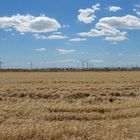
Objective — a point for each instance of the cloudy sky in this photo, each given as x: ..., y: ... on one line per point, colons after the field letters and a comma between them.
x: 60, y: 33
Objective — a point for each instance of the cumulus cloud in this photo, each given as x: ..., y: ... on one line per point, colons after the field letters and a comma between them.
x: 110, y: 34
x: 124, y: 22
x: 51, y: 37
x: 114, y: 8
x: 116, y: 38
x: 66, y: 26
x: 65, y: 51
x: 111, y: 28
x: 29, y: 23
x: 102, y: 32
x: 77, y: 39
x: 39, y: 36
x: 136, y: 11
x: 41, y: 50
x: 87, y: 16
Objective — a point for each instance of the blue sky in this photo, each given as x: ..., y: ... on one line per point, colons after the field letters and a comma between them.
x: 59, y: 33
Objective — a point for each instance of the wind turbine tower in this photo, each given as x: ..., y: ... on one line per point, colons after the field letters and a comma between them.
x: 1, y: 64
x: 83, y: 62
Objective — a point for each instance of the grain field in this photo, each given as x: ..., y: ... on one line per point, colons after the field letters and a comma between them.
x: 70, y: 106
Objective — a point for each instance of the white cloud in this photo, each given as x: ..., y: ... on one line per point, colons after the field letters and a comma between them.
x: 113, y: 35
x: 96, y: 61
x: 58, y: 33
x: 102, y: 32
x: 87, y: 16
x: 124, y: 22
x: 114, y: 8
x: 65, y: 51
x: 29, y: 23
x: 66, y: 26
x: 137, y: 5
x: 8, y: 29
x: 12, y: 34
x: 39, y: 36
x: 21, y: 33
x: 116, y: 38
x: 77, y: 39
x: 111, y: 28
x: 63, y: 61
x: 68, y: 61
x: 41, y: 49
x: 51, y: 37
x: 56, y: 37
x: 136, y: 11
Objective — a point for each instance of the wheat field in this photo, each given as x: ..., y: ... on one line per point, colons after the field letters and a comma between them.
x: 70, y: 106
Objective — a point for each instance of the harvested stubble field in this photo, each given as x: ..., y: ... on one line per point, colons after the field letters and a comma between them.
x: 70, y: 106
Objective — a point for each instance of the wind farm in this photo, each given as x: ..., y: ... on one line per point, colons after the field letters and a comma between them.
x: 69, y: 70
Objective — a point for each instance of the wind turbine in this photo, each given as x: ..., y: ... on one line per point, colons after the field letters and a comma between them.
x: 1, y: 63
x: 83, y: 61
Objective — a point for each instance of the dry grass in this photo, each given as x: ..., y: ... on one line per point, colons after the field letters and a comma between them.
x: 70, y: 106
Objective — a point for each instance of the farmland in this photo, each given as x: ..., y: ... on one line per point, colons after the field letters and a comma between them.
x: 70, y: 105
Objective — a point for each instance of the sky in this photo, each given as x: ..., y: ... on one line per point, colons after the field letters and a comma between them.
x: 61, y: 33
